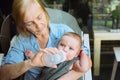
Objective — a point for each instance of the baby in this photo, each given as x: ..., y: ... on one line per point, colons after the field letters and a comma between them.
x: 71, y: 44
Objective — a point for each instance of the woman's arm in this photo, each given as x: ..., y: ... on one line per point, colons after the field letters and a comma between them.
x: 12, y: 71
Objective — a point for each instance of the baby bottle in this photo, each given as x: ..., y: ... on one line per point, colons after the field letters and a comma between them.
x: 52, y: 59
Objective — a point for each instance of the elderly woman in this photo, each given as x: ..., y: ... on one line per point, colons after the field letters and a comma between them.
x: 36, y: 34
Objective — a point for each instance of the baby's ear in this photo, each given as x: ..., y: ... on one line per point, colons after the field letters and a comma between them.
x: 79, y: 52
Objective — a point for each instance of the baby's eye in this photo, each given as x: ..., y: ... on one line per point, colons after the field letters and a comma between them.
x: 62, y: 44
x: 71, y: 48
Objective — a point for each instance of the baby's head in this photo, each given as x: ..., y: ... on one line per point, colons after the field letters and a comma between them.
x: 71, y: 44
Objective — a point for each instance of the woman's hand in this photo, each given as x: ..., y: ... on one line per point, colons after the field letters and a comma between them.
x: 37, y: 58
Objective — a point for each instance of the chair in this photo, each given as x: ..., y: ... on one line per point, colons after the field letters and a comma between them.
x: 1, y: 18
x: 116, y: 61
x: 59, y: 16
x: 66, y: 18
x: 56, y: 16
x: 8, y: 30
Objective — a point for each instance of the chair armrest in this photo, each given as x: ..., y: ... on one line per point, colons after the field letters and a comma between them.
x: 86, y: 42
x: 88, y: 75
x: 1, y: 57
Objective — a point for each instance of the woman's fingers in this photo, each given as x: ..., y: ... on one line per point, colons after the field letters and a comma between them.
x: 50, y: 50
x: 37, y: 59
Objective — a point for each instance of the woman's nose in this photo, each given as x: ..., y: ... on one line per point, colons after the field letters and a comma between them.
x: 36, y: 23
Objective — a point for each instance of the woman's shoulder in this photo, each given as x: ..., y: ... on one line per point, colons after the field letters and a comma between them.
x: 22, y: 42
x: 20, y: 39
x: 60, y: 27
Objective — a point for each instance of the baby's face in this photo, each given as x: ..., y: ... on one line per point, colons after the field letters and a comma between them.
x: 70, y: 46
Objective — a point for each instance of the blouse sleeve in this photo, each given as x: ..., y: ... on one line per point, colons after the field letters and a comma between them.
x: 15, y: 53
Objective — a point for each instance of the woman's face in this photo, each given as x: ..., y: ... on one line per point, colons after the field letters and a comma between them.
x: 35, y: 20
x: 70, y: 46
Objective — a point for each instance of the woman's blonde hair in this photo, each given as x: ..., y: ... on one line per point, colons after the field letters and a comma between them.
x: 18, y: 11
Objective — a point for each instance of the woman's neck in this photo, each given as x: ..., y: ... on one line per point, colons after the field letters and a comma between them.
x: 43, y: 38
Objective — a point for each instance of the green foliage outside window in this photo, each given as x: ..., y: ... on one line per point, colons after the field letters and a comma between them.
x: 116, y: 13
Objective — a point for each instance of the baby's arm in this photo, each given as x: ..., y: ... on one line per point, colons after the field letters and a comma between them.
x: 83, y: 64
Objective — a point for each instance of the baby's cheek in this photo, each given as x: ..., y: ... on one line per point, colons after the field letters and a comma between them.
x: 70, y: 57
x: 60, y: 48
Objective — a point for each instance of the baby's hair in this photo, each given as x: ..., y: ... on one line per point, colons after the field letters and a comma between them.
x: 74, y: 35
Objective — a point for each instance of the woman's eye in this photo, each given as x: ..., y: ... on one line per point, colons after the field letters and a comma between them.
x: 28, y: 24
x: 39, y: 17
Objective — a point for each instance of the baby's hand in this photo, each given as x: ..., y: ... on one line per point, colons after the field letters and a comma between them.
x: 29, y: 54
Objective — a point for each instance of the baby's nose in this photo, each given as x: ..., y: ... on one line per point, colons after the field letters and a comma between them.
x: 65, y: 49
